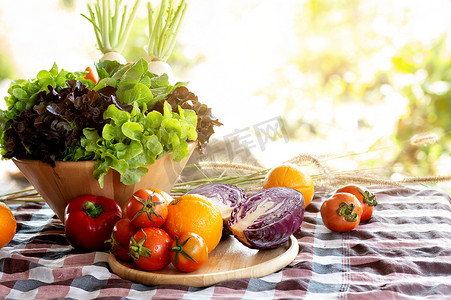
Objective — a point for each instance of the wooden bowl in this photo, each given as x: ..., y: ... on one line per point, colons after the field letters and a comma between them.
x: 71, y: 179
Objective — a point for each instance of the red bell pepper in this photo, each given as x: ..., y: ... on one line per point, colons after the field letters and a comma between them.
x: 89, y: 221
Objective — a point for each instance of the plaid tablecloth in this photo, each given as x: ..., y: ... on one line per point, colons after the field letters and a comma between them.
x: 403, y: 252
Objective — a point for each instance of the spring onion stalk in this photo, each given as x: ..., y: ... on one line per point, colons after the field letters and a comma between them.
x: 111, y: 27
x: 162, y: 35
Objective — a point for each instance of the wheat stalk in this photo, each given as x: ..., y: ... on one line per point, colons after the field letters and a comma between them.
x: 229, y: 166
x: 423, y: 139
x: 309, y: 157
x: 425, y: 179
x: 339, y: 180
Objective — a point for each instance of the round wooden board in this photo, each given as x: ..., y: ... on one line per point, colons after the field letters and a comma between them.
x: 230, y: 260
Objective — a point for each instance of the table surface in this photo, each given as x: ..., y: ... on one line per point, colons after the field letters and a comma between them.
x: 402, y: 252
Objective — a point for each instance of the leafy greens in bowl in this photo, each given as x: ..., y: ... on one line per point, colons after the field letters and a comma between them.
x: 125, y: 122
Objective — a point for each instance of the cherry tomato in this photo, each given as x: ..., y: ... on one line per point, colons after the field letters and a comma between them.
x: 147, y: 208
x: 150, y: 247
x: 188, y: 252
x: 123, y: 230
x: 341, y: 212
x: 366, y: 198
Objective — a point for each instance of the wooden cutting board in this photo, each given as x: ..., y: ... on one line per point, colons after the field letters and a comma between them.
x: 230, y: 260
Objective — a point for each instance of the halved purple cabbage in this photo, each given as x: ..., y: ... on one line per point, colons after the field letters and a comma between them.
x: 225, y: 196
x: 268, y: 218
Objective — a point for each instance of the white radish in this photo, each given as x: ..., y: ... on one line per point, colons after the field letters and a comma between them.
x: 111, y: 27
x: 116, y: 56
x: 162, y: 35
x: 159, y: 67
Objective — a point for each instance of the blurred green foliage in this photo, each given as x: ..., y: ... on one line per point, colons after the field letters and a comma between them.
x: 429, y: 104
x: 67, y: 4
x: 138, y: 37
x: 6, y: 67
x: 341, y: 58
x: 351, y: 53
x: 341, y: 47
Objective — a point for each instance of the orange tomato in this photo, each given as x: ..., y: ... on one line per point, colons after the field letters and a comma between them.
x: 8, y: 225
x: 341, y: 212
x: 291, y: 176
x: 366, y: 198
x: 194, y: 213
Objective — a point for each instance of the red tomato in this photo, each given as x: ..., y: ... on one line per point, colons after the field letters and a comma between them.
x: 147, y: 207
x: 188, y: 252
x: 341, y: 212
x: 150, y: 247
x: 366, y: 198
x: 123, y: 230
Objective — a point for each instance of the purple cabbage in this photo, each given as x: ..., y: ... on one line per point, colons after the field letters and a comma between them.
x: 225, y: 196
x: 268, y: 218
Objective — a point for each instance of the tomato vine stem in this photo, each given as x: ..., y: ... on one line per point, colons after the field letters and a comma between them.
x: 347, y: 211
x: 179, y: 250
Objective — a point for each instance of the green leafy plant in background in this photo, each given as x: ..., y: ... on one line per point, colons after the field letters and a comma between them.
x: 6, y: 68
x: 429, y: 105
x: 68, y: 4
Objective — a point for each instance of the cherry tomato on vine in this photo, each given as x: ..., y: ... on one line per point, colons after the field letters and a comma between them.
x: 150, y: 247
x: 147, y: 208
x: 366, y: 198
x: 188, y: 252
x: 123, y: 230
x: 341, y: 212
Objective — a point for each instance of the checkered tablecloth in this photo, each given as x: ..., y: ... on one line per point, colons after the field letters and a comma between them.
x: 403, y: 252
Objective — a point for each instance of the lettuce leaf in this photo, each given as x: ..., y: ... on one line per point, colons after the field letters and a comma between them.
x: 181, y: 97
x: 132, y: 140
x: 135, y: 84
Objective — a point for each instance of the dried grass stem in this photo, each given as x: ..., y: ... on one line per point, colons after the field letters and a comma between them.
x: 425, y: 179
x: 229, y: 166
x: 339, y: 180
x: 423, y: 139
x: 311, y: 158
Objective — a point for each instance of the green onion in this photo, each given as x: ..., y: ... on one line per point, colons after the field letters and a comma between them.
x: 111, y: 26
x: 163, y: 30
